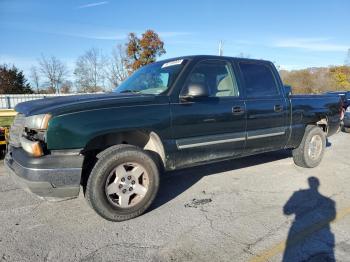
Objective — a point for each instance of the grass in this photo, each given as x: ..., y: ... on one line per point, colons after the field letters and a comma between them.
x: 6, y: 120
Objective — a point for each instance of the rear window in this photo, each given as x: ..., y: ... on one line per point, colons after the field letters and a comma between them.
x: 259, y: 80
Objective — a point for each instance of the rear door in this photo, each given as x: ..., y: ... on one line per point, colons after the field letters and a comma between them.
x: 213, y: 127
x: 267, y: 109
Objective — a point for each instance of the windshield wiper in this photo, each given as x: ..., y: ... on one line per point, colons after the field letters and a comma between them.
x: 130, y: 91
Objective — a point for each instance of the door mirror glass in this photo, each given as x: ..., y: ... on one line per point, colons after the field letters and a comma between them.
x: 195, y: 91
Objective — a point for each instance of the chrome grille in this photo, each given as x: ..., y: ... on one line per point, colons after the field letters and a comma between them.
x: 16, y: 130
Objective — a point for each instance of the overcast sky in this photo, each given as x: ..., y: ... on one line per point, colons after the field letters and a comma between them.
x: 294, y: 34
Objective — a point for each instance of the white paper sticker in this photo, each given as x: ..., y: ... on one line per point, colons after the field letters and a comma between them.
x: 172, y: 63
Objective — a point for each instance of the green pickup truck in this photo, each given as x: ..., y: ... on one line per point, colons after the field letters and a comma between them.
x: 168, y: 115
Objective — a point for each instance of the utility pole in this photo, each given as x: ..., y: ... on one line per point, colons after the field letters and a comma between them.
x: 347, y: 59
x: 221, y: 48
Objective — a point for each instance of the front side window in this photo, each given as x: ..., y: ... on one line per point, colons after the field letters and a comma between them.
x: 152, y: 79
x: 259, y: 80
x: 216, y: 76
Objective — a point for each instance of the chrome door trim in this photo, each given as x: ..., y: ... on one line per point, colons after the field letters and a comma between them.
x: 210, y: 140
x: 192, y: 142
x: 267, y: 132
x: 266, y: 135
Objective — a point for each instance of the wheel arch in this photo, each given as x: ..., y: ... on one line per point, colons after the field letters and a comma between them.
x: 148, y: 140
x: 323, y: 124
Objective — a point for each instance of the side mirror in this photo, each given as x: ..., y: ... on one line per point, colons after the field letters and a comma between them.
x: 194, y: 91
x: 287, y: 90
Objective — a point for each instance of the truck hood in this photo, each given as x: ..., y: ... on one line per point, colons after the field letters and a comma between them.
x: 74, y: 103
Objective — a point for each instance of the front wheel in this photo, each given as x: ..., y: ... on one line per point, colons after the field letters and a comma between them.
x: 311, y: 149
x: 123, y: 183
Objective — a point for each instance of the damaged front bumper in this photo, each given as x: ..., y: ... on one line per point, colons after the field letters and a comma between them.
x: 52, y: 177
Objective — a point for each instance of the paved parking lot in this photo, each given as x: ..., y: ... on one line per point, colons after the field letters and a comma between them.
x: 254, y: 209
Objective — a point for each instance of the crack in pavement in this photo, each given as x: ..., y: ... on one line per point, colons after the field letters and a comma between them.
x: 211, y: 225
x: 270, y: 233
x: 8, y: 190
x: 262, y: 191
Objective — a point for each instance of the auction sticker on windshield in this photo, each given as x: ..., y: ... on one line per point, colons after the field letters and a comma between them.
x: 172, y: 63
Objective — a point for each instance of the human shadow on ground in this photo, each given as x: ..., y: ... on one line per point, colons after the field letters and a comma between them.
x: 174, y: 183
x: 310, y: 237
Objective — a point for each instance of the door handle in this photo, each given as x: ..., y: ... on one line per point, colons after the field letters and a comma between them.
x: 278, y: 108
x: 237, y: 110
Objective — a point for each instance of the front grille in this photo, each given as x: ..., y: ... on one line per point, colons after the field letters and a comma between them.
x: 16, y: 130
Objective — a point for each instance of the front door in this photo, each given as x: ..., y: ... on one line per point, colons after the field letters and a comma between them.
x: 213, y: 127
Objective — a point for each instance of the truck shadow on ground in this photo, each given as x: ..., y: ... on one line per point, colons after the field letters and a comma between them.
x: 174, y: 183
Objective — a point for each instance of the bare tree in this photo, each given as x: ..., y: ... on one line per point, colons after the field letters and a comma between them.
x: 35, y: 77
x: 54, y: 70
x: 66, y: 87
x: 90, y: 71
x: 116, y: 70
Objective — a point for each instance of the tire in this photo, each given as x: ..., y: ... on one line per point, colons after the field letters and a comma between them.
x: 302, y: 155
x: 115, y: 164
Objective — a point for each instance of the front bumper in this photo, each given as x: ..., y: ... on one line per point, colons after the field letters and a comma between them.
x: 52, y: 177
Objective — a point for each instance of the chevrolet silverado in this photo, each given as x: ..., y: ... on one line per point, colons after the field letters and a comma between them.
x: 167, y: 115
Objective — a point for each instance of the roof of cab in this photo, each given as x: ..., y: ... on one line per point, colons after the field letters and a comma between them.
x: 200, y: 57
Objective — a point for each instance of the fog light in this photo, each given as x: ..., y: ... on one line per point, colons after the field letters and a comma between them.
x: 32, y: 147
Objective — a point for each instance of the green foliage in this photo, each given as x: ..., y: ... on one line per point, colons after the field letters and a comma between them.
x: 12, y: 81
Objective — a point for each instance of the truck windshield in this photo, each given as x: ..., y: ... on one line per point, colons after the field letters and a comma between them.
x: 152, y: 79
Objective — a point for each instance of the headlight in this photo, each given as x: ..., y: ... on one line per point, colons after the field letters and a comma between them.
x: 39, y: 122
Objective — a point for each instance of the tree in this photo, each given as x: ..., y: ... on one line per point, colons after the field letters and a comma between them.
x: 66, y: 87
x: 54, y: 70
x: 90, y: 71
x: 302, y: 81
x: 341, y: 75
x: 144, y: 50
x: 35, y: 77
x: 318, y: 80
x: 12, y: 81
x: 117, y: 71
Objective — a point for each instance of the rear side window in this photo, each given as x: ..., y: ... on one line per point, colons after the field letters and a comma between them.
x: 259, y: 80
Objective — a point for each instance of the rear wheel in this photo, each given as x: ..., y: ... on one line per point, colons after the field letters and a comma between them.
x: 311, y: 149
x: 123, y: 183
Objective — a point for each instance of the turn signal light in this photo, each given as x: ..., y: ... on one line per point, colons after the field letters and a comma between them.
x: 32, y: 147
